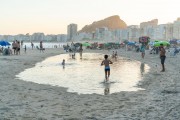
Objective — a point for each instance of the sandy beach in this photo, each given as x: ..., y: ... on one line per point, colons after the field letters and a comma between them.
x: 20, y: 100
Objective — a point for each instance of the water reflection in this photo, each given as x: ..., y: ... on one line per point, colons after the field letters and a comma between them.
x: 106, y: 91
x: 80, y: 53
x: 106, y: 88
x: 86, y: 76
x: 63, y: 66
x: 142, y: 69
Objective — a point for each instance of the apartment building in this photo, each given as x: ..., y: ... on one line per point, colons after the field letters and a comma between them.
x: 71, y: 32
x: 176, y: 29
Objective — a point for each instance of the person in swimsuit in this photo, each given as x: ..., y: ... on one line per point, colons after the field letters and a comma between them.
x: 142, y: 51
x: 162, y: 57
x: 63, y: 62
x: 106, y: 63
x: 116, y: 55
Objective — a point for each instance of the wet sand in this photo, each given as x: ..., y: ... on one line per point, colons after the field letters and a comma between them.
x: 31, y: 101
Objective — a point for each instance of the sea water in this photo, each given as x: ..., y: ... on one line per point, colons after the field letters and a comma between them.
x: 45, y: 44
x: 86, y: 75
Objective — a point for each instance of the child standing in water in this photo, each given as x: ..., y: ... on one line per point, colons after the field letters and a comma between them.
x: 63, y: 62
x: 106, y: 63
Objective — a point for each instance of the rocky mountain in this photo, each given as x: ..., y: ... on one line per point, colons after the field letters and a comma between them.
x: 153, y: 22
x: 113, y: 22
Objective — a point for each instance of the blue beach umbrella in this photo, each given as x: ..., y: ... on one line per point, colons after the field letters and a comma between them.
x: 4, y: 43
x: 131, y: 43
x: 173, y: 41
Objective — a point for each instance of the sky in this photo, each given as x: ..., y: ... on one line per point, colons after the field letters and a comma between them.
x: 53, y: 16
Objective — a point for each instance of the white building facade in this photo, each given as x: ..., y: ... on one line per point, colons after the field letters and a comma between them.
x: 71, y: 32
x: 176, y: 29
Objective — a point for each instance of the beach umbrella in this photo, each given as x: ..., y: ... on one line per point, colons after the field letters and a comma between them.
x: 100, y: 44
x: 125, y: 41
x: 117, y: 43
x: 86, y: 44
x: 165, y: 43
x: 77, y: 44
x: 131, y: 43
x: 144, y: 39
x: 151, y: 43
x: 111, y: 43
x: 107, y: 44
x: 173, y: 41
x: 4, y: 43
x: 178, y: 41
x: 157, y: 41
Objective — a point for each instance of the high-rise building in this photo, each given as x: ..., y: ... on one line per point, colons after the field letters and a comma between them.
x: 133, y: 32
x: 71, y: 32
x: 176, y: 29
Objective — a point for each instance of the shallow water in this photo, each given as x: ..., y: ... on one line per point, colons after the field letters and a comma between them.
x: 86, y: 75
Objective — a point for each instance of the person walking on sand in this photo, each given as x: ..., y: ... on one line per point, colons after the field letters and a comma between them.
x: 18, y: 49
x: 41, y: 46
x: 63, y: 62
x: 14, y: 47
x: 32, y: 45
x: 162, y: 57
x: 142, y: 51
x: 25, y: 49
x: 106, y: 63
x: 80, y: 51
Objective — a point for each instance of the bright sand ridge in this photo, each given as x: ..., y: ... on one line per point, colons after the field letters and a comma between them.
x: 30, y: 101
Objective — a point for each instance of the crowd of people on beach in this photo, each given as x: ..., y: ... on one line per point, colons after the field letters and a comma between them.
x: 5, y: 51
x: 74, y: 47
x: 16, y: 46
x: 72, y: 50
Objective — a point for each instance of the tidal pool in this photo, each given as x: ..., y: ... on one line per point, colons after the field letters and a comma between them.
x: 86, y: 75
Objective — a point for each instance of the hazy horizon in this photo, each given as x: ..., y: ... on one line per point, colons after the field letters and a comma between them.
x: 52, y: 17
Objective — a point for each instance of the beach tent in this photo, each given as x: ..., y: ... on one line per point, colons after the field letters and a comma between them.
x: 165, y: 43
x: 4, y: 43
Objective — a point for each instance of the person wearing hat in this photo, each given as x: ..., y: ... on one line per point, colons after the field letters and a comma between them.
x: 162, y: 57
